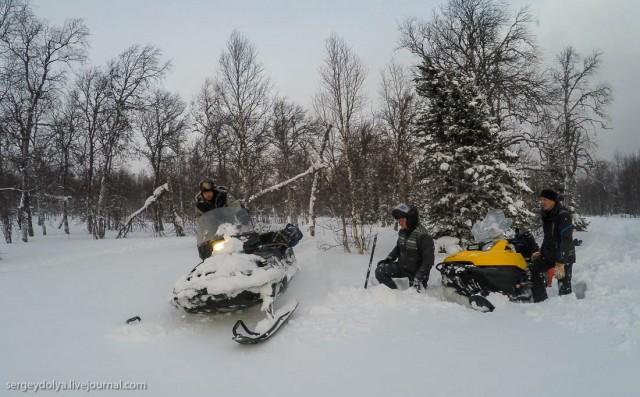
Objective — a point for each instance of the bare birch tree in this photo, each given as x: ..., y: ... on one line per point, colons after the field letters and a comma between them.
x: 487, y: 42
x: 35, y: 56
x: 7, y: 10
x: 209, y: 120
x: 163, y: 127
x: 397, y: 112
x: 91, y: 99
x: 290, y: 128
x: 339, y: 102
x: 580, y: 105
x: 66, y: 129
x: 243, y: 93
x: 130, y: 75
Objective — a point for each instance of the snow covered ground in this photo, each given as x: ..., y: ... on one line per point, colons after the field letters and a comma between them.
x: 64, y: 302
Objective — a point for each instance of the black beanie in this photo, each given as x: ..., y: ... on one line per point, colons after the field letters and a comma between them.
x: 549, y: 194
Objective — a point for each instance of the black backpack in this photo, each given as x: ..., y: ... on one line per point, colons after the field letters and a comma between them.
x: 524, y: 243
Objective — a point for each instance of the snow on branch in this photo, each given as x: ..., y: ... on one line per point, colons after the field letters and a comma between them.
x: 311, y: 170
x: 59, y: 198
x: 159, y: 192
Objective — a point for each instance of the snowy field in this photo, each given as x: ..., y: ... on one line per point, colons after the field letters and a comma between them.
x: 64, y: 302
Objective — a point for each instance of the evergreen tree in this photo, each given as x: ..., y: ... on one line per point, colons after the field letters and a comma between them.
x: 466, y: 169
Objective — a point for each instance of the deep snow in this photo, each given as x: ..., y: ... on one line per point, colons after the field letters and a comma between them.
x: 64, y: 302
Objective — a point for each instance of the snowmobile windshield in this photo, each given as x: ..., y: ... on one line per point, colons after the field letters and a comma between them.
x: 215, y: 224
x: 492, y: 227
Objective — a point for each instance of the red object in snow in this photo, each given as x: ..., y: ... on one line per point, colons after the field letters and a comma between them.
x: 550, y: 273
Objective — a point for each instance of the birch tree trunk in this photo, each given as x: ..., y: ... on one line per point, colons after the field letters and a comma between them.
x: 355, y: 219
x: 22, y: 215
x: 312, y: 204
x: 178, y: 223
x: 100, y: 210
x: 314, y: 184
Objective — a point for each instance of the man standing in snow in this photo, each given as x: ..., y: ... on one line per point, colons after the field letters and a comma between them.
x: 212, y: 196
x: 413, y: 255
x: 557, y: 250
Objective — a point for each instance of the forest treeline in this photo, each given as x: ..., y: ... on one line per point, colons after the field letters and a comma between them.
x: 479, y: 120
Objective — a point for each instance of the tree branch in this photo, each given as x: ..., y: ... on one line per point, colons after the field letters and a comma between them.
x: 311, y: 170
x: 157, y: 194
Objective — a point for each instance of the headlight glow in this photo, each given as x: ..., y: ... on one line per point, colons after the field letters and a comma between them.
x: 218, y: 246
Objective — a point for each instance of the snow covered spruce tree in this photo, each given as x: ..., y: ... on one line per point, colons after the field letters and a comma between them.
x: 466, y: 168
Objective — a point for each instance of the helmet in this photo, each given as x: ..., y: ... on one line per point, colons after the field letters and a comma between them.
x: 207, y: 184
x: 406, y: 211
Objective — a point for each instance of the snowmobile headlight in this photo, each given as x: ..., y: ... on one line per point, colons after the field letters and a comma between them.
x: 488, y: 246
x: 218, y: 245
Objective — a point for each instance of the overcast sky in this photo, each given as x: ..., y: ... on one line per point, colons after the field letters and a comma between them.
x: 289, y: 36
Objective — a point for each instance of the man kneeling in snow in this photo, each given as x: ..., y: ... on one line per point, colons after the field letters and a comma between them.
x: 413, y: 255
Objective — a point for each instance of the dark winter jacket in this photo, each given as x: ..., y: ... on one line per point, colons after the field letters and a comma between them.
x: 414, y: 252
x: 220, y: 199
x: 557, y: 226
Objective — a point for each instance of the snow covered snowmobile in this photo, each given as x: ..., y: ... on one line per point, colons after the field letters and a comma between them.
x: 495, y: 266
x: 240, y: 269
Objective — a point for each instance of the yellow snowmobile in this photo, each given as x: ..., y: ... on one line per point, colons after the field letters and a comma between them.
x: 494, y: 266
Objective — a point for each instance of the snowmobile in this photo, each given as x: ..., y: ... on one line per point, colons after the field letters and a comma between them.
x: 240, y: 269
x: 488, y: 267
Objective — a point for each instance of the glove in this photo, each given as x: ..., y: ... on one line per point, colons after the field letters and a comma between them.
x: 558, y: 272
x: 385, y: 261
x: 419, y: 284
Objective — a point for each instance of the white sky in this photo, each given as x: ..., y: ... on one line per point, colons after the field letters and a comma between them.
x: 289, y: 36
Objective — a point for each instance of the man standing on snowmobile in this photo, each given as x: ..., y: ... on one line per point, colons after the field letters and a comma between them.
x: 413, y: 254
x: 557, y: 250
x: 212, y: 196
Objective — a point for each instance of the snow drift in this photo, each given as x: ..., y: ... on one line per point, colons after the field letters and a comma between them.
x: 65, y: 301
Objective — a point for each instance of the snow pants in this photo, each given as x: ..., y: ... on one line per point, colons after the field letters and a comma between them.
x: 539, y: 268
x: 386, y: 272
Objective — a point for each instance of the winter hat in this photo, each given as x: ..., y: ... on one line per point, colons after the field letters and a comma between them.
x: 549, y: 194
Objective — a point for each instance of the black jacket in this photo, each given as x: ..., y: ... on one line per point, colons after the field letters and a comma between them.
x: 557, y: 226
x: 414, y: 252
x: 220, y: 199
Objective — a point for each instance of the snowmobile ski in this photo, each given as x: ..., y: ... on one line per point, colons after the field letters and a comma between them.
x: 132, y: 319
x: 480, y: 303
x: 273, y: 322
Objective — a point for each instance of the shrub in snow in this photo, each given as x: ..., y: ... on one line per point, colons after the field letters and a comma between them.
x: 447, y: 244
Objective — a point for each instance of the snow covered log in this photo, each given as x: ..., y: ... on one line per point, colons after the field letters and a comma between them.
x: 157, y: 194
x: 311, y: 170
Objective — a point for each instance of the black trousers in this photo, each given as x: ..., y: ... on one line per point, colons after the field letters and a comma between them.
x: 539, y: 268
x: 386, y: 272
